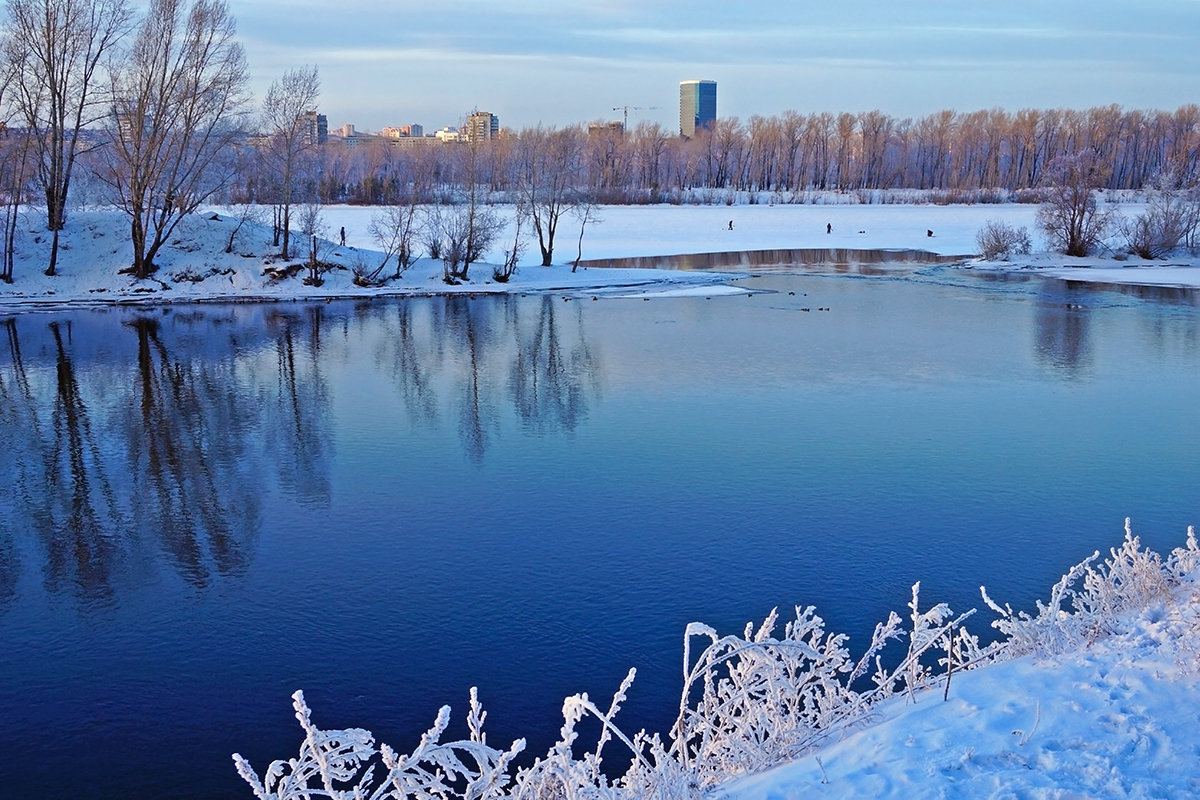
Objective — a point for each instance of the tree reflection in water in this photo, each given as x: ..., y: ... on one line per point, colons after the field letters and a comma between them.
x: 160, y: 431
x: 550, y: 387
x: 60, y: 481
x: 152, y: 443
x: 472, y: 351
x: 187, y: 467
x: 297, y: 433
x: 17, y: 413
x: 1062, y: 337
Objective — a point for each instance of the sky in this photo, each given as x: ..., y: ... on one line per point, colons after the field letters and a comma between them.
x: 558, y: 63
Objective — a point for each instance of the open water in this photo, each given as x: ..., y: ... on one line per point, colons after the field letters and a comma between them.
x: 386, y: 503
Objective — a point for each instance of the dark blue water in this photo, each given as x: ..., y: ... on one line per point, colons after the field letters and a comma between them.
x: 206, y: 508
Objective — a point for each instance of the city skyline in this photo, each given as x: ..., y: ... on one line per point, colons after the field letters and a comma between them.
x: 405, y: 62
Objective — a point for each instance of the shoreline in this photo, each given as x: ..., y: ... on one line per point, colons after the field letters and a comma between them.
x: 194, y: 267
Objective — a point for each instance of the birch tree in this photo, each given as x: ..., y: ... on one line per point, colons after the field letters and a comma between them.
x: 177, y: 100
x: 52, y: 51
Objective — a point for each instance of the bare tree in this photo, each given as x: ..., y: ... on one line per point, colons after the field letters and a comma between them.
x: 504, y: 271
x: 312, y: 224
x: 585, y: 212
x: 549, y: 170
x: 15, y: 147
x: 1071, y: 219
x: 393, y: 229
x: 177, y: 101
x: 52, y: 50
x: 465, y: 230
x: 284, y: 108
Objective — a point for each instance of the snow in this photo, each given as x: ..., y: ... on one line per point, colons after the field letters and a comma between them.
x: 1117, y: 719
x: 195, y: 267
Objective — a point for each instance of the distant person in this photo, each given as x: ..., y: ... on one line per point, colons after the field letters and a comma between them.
x: 829, y: 227
x: 343, y: 236
x: 929, y: 233
x: 730, y: 224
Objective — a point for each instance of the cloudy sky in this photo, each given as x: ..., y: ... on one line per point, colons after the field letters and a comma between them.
x: 559, y: 62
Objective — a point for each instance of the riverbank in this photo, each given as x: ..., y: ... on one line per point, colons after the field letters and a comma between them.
x: 194, y: 266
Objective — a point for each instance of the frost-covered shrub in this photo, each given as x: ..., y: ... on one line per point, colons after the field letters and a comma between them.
x: 1169, y: 221
x: 999, y: 241
x: 339, y: 764
x: 747, y: 703
x: 1091, y: 598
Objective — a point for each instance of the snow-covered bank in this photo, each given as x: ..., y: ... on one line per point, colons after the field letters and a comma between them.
x: 194, y: 265
x: 1095, y: 695
x: 1117, y: 718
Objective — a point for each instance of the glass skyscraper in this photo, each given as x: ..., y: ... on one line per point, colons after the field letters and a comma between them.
x: 697, y: 106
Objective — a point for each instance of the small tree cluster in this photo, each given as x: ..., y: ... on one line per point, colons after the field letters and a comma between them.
x: 394, y: 229
x: 460, y: 235
x: 999, y: 241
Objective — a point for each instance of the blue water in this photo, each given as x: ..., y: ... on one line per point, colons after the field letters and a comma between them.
x: 387, y: 503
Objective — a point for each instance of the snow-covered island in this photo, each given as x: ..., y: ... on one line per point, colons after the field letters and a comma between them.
x: 194, y: 264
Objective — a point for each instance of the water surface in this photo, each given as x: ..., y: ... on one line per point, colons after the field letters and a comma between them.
x: 385, y: 503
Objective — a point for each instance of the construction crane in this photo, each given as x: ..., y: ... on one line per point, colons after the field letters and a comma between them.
x: 625, y: 109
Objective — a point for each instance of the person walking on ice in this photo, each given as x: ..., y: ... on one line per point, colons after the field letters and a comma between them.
x: 730, y: 224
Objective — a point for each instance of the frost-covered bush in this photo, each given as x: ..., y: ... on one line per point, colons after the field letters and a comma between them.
x: 338, y: 764
x: 747, y: 703
x: 1093, y: 595
x: 999, y: 241
x: 1169, y: 221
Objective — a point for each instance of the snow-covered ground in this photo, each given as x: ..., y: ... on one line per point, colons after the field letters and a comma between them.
x: 194, y: 265
x: 1117, y: 719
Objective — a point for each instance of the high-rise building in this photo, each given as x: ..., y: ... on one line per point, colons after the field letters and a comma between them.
x: 314, y: 128
x: 482, y: 126
x: 697, y: 106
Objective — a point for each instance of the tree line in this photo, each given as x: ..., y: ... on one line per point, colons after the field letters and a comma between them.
x: 961, y: 154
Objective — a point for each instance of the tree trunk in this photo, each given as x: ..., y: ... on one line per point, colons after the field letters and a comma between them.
x: 137, y: 235
x: 286, y: 237
x: 52, y: 267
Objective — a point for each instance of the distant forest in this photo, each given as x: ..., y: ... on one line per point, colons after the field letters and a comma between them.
x: 980, y: 156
